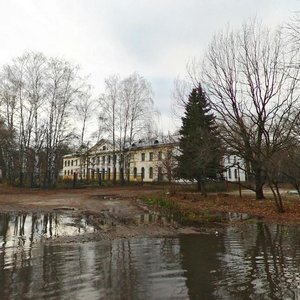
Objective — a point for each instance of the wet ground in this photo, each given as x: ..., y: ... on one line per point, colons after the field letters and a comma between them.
x: 118, y: 213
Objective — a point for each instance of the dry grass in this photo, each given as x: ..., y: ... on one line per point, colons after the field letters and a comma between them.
x: 264, y: 209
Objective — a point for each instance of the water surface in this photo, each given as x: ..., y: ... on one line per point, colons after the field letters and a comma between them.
x: 249, y: 261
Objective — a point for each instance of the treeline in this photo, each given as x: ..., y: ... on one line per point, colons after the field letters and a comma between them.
x: 251, y: 77
x: 45, y: 109
x: 36, y: 96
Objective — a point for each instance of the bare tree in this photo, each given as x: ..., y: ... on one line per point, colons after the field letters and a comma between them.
x: 135, y: 115
x: 289, y: 161
x: 252, y: 87
x: 8, y: 107
x: 126, y: 109
x: 84, y: 108
x: 63, y: 86
x: 109, y: 103
x: 36, y: 94
x: 180, y: 96
x: 274, y: 176
x: 168, y: 161
x: 22, y: 92
x: 137, y: 94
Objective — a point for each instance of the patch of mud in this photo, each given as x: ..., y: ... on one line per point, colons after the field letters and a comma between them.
x: 64, y: 209
x: 104, y: 197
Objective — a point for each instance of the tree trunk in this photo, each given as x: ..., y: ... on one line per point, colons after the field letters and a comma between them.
x: 199, y: 186
x: 277, y: 197
x: 203, y: 189
x: 259, y: 183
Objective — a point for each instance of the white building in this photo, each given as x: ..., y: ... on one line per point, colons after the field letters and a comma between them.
x: 234, y: 168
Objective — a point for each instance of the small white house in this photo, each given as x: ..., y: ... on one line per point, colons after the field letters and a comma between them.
x: 234, y: 168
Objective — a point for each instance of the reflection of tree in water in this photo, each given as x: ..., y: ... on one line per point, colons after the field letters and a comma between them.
x: 200, y: 260
x: 18, y: 235
x: 260, y: 262
x: 140, y: 268
x: 147, y: 268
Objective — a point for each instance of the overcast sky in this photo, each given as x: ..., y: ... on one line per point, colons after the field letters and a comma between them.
x: 155, y: 38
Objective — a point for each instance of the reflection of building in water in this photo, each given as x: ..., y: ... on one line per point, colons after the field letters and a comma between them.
x: 154, y: 218
x: 154, y: 266
x: 139, y: 268
x: 21, y: 231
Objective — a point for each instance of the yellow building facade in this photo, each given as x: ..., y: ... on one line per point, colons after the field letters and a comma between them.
x: 141, y: 161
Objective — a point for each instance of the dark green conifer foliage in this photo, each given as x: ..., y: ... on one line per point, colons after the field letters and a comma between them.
x: 200, y: 145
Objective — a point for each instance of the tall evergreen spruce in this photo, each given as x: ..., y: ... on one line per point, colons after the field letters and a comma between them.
x: 200, y: 145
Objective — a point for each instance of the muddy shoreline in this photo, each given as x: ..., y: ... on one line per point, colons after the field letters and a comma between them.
x: 120, y: 206
x: 124, y: 205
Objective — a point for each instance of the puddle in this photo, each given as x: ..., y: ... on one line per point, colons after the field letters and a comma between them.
x: 177, y: 220
x: 23, y: 228
x: 104, y: 197
x: 64, y: 209
x: 154, y: 218
x: 251, y: 261
x: 236, y: 216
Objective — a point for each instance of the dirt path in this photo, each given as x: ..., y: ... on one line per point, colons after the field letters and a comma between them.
x: 93, y: 200
x: 120, y: 204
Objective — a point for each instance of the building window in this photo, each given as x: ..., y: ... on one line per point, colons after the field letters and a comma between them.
x: 68, y: 172
x: 234, y: 159
x: 159, y: 174
x: 65, y: 172
x: 143, y: 156
x: 151, y: 156
x: 135, y: 172
x: 103, y: 160
x: 150, y: 172
x: 65, y: 163
x: 68, y: 163
x: 143, y: 173
x: 72, y: 162
x: 159, y: 155
x: 76, y: 162
x: 235, y: 173
x: 108, y: 158
x: 229, y: 173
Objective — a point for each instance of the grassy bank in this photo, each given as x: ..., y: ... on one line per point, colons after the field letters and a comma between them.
x: 172, y: 209
x: 190, y: 208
